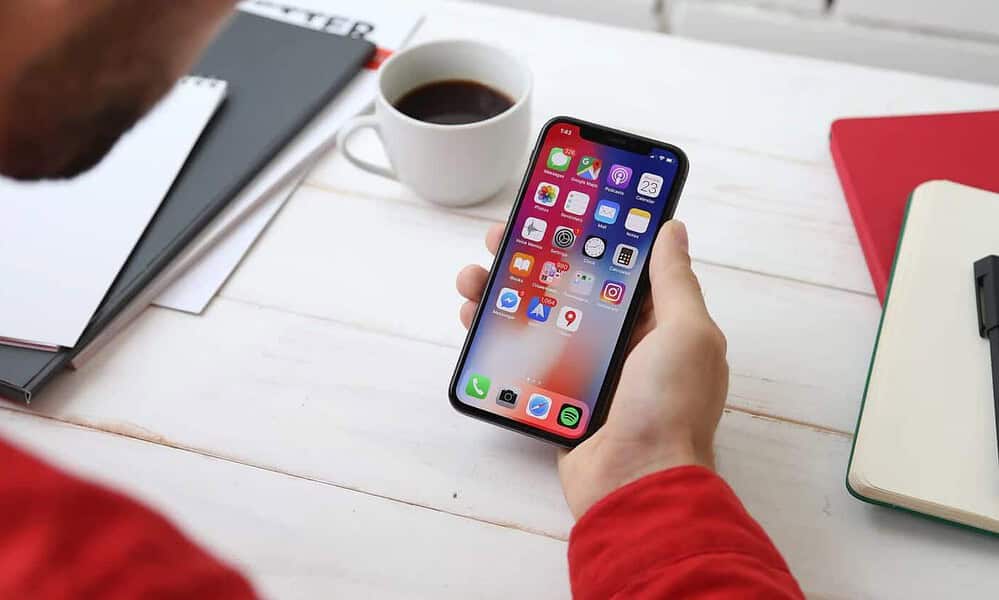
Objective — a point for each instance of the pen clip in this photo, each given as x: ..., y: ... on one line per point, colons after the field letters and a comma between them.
x: 987, y: 294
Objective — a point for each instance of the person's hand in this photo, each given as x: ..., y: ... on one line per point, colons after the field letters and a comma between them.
x: 672, y: 389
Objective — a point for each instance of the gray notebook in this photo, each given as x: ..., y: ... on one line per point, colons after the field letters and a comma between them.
x: 280, y: 76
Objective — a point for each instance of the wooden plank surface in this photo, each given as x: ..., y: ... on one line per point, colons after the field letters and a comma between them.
x: 797, y: 351
x: 366, y: 412
x: 301, y: 539
x: 328, y: 356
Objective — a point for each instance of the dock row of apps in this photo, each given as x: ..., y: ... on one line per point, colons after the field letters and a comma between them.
x: 590, y: 167
x: 538, y: 406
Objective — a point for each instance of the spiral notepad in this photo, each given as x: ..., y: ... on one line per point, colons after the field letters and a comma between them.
x: 64, y: 242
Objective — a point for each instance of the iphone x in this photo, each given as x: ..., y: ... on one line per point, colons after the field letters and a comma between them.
x: 546, y: 346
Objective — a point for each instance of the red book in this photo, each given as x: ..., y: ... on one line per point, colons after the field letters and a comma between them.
x: 880, y: 160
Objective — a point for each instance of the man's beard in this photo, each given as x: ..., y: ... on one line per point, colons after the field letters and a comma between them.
x: 68, y: 147
x: 67, y: 109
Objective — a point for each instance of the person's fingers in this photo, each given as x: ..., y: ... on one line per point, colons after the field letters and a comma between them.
x: 472, y: 282
x: 493, y: 238
x: 467, y: 313
x: 646, y: 322
x: 675, y: 289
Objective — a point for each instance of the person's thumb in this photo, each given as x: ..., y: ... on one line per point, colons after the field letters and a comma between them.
x: 675, y: 289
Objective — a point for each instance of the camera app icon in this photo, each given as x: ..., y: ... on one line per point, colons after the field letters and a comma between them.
x: 508, y: 398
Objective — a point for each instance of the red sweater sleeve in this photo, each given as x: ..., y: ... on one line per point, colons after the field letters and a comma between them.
x: 681, y: 533
x: 61, y: 537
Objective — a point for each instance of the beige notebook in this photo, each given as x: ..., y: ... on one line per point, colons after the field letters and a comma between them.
x: 926, y: 438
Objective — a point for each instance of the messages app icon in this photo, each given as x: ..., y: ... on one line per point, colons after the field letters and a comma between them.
x: 559, y: 159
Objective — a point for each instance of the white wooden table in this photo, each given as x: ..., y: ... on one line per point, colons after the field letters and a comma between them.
x: 301, y: 428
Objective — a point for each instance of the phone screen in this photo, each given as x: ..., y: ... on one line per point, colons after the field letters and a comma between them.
x: 564, y: 282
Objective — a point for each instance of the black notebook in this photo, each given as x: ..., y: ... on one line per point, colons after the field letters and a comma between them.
x: 280, y: 76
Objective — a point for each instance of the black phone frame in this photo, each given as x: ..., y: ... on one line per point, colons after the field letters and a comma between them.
x: 609, y: 137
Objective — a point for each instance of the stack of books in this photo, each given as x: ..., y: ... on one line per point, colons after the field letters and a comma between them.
x: 922, y: 193
x: 84, y: 257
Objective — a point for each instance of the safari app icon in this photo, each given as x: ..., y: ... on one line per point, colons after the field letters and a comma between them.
x: 539, y: 406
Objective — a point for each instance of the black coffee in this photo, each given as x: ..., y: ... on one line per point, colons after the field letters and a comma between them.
x: 454, y: 102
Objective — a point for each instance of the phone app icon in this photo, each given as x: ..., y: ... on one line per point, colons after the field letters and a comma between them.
x: 607, y: 211
x: 589, y: 168
x: 539, y: 406
x: 559, y: 159
x: 569, y: 319
x: 478, y: 387
x: 547, y: 194
x: 522, y: 264
x: 534, y: 229
x: 508, y: 398
x: 638, y: 220
x: 576, y: 203
x: 613, y: 292
x: 569, y: 416
x: 626, y: 256
x: 650, y: 185
x: 564, y: 238
x: 550, y: 273
x: 582, y: 283
x: 595, y: 247
x: 508, y: 300
x: 538, y: 310
x: 619, y: 176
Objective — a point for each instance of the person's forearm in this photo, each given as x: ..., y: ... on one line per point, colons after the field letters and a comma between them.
x: 680, y: 533
x: 62, y: 537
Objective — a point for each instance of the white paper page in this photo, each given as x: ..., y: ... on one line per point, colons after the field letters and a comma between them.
x: 64, y: 242
x: 196, y: 288
x: 388, y: 25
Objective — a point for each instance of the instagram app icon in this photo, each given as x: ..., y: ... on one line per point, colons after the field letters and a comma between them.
x: 619, y: 176
x: 613, y: 292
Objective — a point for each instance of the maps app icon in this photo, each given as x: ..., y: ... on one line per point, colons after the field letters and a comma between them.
x: 589, y: 168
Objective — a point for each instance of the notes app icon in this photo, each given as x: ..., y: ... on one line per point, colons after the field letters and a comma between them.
x: 638, y: 220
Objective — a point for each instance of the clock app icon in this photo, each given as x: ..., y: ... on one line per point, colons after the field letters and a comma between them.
x: 595, y: 247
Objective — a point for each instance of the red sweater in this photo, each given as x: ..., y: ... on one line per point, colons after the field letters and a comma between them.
x: 678, y: 534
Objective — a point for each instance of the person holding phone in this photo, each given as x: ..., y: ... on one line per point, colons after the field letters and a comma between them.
x: 654, y: 520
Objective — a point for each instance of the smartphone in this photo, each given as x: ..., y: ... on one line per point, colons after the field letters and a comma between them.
x: 546, y: 347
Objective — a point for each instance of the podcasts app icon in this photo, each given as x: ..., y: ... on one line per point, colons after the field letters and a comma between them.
x: 619, y: 176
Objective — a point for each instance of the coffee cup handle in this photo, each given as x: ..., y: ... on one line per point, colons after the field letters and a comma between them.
x: 343, y: 139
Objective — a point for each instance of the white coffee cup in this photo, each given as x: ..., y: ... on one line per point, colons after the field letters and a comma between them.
x: 452, y: 165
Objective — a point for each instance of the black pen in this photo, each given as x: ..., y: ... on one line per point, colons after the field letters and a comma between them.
x: 987, y: 291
